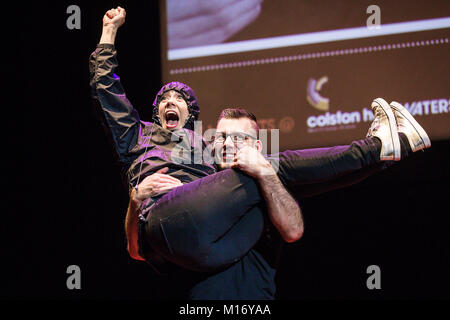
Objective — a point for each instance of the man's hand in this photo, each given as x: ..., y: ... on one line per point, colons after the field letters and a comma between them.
x: 155, y: 184
x: 112, y: 20
x: 253, y: 163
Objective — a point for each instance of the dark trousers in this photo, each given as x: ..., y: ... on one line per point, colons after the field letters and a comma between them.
x: 212, y: 222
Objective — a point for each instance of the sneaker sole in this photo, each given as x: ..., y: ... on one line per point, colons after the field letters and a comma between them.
x: 392, y: 126
x: 420, y: 131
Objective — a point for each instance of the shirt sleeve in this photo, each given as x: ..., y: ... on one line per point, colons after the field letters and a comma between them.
x: 122, y: 120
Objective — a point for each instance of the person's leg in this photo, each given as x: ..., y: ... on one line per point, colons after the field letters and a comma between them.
x: 391, y: 137
x: 317, y: 171
x: 322, y: 164
x: 212, y: 222
x: 208, y: 223
x: 310, y: 166
x: 190, y: 220
x: 188, y: 225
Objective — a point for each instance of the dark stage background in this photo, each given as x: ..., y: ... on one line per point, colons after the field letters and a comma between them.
x: 65, y: 203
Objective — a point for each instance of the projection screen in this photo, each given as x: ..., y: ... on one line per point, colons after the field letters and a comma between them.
x: 311, y: 68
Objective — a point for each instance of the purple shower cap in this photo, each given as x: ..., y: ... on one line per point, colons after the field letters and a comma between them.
x: 188, y: 95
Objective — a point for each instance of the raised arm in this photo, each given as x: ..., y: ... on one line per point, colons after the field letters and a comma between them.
x: 112, y: 20
x: 283, y: 210
x: 122, y: 120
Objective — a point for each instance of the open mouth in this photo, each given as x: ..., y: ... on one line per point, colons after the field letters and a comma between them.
x: 171, y: 119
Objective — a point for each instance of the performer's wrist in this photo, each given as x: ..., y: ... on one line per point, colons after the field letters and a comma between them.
x: 108, y: 34
x: 266, y: 171
x: 135, y: 196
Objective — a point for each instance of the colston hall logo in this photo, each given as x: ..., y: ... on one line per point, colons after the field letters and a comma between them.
x: 330, y: 120
x: 344, y: 120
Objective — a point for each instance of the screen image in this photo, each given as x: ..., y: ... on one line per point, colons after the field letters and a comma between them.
x: 311, y: 69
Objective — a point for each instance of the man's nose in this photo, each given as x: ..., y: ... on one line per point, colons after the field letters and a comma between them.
x: 229, y: 142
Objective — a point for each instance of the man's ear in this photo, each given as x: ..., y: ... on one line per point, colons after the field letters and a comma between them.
x: 259, y: 145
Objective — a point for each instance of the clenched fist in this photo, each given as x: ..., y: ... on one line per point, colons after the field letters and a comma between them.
x: 114, y: 18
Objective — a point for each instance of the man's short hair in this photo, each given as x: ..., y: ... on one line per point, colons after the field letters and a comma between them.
x: 238, y: 113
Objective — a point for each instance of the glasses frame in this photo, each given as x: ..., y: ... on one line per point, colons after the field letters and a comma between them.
x: 231, y: 134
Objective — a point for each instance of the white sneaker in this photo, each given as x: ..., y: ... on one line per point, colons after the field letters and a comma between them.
x: 417, y: 137
x: 384, y: 127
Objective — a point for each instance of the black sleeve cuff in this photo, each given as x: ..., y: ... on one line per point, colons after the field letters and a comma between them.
x: 106, y: 46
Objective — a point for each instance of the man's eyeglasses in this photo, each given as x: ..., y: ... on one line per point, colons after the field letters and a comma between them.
x: 236, y: 137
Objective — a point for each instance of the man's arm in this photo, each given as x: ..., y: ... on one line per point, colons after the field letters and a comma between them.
x: 153, y: 185
x: 283, y: 210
